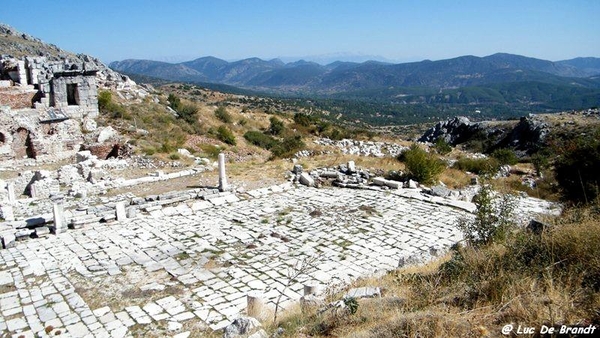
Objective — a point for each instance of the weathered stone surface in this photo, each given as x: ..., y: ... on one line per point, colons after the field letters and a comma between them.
x: 241, y: 327
x: 363, y: 292
x: 351, y: 167
x: 120, y: 213
x: 440, y: 191
x: 412, y: 184
x: 306, y: 179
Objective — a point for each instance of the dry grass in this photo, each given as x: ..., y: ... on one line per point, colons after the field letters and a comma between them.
x: 530, y: 279
x: 455, y: 179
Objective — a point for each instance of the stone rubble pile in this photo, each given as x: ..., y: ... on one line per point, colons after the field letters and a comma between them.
x: 349, y: 176
x: 364, y: 148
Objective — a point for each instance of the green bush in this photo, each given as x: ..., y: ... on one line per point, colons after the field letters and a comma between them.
x: 493, y: 218
x: 276, y: 127
x: 259, y: 139
x: 226, y: 135
x: 479, y: 166
x: 210, y: 150
x: 442, y: 147
x: 577, y: 168
x: 107, y: 106
x: 223, y: 115
x: 104, y: 99
x: 288, y: 146
x: 505, y: 156
x: 174, y: 102
x: 303, y: 119
x: 421, y: 165
x: 189, y: 113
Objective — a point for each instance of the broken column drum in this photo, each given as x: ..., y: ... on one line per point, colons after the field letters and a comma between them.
x: 223, y: 185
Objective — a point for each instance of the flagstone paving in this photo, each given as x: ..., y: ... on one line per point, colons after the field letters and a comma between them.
x: 192, y: 265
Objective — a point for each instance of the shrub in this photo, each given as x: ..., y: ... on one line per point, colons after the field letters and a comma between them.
x: 442, y: 147
x: 479, y: 166
x: 174, y: 156
x: 174, y: 102
x: 303, y: 119
x: 259, y: 139
x: 540, y: 161
x: 226, y: 135
x: 288, y: 146
x: 189, y: 113
x: 106, y: 105
x: 577, y: 168
x: 210, y: 150
x: 276, y: 127
x: 223, y: 115
x: 104, y: 99
x: 505, y: 156
x: 493, y: 218
x: 421, y: 165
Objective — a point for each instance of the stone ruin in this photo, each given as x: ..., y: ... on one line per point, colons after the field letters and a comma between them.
x: 43, y: 105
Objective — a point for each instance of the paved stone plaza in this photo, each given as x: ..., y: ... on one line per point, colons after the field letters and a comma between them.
x: 192, y: 264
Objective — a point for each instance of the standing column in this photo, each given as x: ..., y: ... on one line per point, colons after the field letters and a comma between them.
x: 60, y: 225
x: 223, y: 185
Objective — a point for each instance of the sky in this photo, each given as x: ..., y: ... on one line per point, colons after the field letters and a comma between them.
x: 391, y: 30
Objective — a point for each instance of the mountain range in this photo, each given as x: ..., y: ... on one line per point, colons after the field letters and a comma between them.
x: 337, y: 77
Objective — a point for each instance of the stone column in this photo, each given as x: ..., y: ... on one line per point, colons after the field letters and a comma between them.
x: 12, y: 198
x: 223, y: 185
x: 120, y: 210
x: 60, y: 225
x: 255, y: 306
x: 310, y: 289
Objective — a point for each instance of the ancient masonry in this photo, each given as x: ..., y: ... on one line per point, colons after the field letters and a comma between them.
x: 201, y: 258
x: 43, y: 105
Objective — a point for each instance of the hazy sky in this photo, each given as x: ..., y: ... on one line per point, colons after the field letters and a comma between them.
x: 396, y: 30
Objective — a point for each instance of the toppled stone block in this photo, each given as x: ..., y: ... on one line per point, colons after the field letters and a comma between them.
x: 440, y: 191
x: 306, y: 179
x: 8, y: 239
x: 364, y: 292
x: 42, y: 231
x: 380, y: 181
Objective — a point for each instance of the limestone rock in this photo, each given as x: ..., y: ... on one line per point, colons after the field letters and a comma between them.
x: 297, y: 169
x: 453, y: 131
x: 413, y: 184
x: 242, y: 327
x: 364, y: 292
x: 184, y: 152
x: 440, y: 191
x: 106, y: 134
x: 306, y: 179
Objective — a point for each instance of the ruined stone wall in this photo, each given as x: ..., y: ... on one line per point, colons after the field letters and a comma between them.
x: 23, y: 135
x: 17, y: 98
x: 70, y: 91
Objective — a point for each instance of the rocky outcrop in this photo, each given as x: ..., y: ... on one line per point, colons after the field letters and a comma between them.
x: 453, y: 131
x: 527, y: 136
x: 524, y: 137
